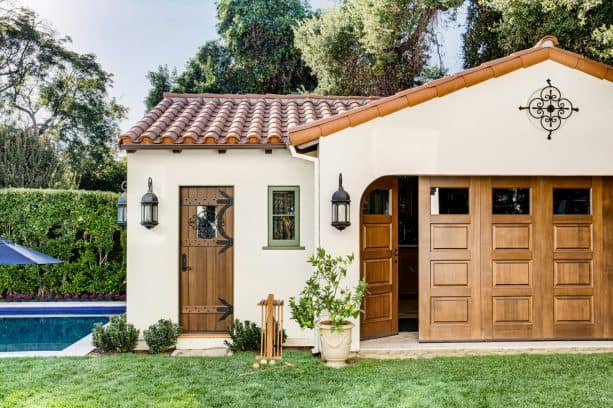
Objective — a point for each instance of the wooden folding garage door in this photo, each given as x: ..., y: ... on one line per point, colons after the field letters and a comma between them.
x: 574, y: 295
x: 449, y: 303
x: 512, y: 248
x: 541, y: 270
x: 525, y: 259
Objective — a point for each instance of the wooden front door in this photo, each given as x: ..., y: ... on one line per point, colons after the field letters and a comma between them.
x: 379, y: 258
x: 206, y: 258
x: 512, y: 272
x: 449, y: 302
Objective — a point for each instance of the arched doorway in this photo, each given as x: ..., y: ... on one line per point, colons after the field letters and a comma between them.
x: 389, y: 256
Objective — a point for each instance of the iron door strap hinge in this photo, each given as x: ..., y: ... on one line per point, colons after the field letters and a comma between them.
x: 227, y: 309
x: 227, y: 201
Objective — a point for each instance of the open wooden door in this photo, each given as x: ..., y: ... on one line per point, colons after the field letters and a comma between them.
x: 379, y: 258
x: 206, y: 260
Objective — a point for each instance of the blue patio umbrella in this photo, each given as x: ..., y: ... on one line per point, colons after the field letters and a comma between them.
x: 15, y: 254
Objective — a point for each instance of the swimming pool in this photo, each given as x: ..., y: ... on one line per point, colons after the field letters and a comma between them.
x: 51, y: 328
x: 44, y: 333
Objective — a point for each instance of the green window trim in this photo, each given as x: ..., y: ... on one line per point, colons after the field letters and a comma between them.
x: 284, y: 243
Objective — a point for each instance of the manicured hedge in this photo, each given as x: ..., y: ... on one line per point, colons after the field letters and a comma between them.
x: 77, y: 227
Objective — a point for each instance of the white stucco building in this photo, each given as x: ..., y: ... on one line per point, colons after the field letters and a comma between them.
x: 467, y: 221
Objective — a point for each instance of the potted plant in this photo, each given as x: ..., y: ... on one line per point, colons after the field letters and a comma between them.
x: 324, y: 304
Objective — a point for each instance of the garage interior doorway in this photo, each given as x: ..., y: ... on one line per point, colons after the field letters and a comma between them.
x: 408, y: 259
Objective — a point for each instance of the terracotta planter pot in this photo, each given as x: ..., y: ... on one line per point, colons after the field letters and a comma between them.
x: 335, y: 345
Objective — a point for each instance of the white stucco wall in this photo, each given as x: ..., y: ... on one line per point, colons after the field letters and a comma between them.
x: 153, y: 275
x: 474, y: 131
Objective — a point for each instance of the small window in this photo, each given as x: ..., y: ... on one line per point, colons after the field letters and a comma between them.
x: 511, y: 201
x: 206, y: 221
x: 283, y: 216
x: 572, y: 201
x: 377, y: 202
x: 445, y: 200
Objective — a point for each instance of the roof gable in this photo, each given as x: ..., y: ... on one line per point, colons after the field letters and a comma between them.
x: 545, y: 49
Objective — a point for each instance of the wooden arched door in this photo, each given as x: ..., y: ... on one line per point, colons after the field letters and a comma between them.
x: 379, y: 258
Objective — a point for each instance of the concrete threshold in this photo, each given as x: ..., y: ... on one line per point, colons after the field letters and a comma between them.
x: 406, y: 345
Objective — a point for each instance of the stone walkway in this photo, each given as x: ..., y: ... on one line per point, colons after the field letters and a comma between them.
x: 405, y: 345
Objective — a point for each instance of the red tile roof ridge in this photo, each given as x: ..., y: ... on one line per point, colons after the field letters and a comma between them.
x: 172, y: 95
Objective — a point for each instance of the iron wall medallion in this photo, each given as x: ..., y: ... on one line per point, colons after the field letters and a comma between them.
x: 549, y: 108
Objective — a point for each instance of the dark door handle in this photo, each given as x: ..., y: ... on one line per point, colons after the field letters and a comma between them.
x: 184, y: 266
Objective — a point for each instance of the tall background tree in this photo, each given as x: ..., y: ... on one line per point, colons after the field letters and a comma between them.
x: 57, y: 94
x: 28, y: 159
x: 500, y: 27
x: 255, y: 53
x: 363, y: 47
x: 161, y: 80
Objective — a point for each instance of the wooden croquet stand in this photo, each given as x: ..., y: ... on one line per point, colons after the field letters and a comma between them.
x: 272, y: 328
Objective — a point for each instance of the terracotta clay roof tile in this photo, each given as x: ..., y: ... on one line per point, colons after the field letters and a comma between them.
x: 232, y: 119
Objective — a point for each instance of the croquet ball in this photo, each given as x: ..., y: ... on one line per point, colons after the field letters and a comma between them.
x: 263, y: 361
x: 255, y: 365
x: 272, y: 362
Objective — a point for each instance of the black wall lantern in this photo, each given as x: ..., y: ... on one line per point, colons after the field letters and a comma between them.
x: 122, y: 207
x: 340, y: 206
x: 149, y: 208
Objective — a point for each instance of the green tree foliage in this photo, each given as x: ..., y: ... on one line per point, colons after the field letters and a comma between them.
x: 254, y: 54
x: 480, y: 41
x: 77, y: 227
x: 28, y: 159
x: 324, y: 296
x: 500, y: 27
x: 161, y: 80
x: 363, y: 47
x: 259, y: 36
x: 55, y: 91
x: 102, y: 171
x: 210, y: 70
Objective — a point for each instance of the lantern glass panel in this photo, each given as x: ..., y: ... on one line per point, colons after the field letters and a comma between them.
x: 121, y: 214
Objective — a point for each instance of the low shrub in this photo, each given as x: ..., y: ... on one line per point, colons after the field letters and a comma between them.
x: 119, y: 335
x: 245, y: 336
x: 162, y: 336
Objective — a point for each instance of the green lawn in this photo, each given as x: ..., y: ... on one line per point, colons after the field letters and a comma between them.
x: 140, y: 380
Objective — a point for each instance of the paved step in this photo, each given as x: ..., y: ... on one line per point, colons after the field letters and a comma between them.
x: 405, y: 345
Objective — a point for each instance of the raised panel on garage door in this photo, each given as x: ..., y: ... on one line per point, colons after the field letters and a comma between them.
x: 449, y: 258
x: 511, y: 224
x: 574, y: 300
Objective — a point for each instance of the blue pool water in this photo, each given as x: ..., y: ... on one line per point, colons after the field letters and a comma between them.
x: 44, y: 333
